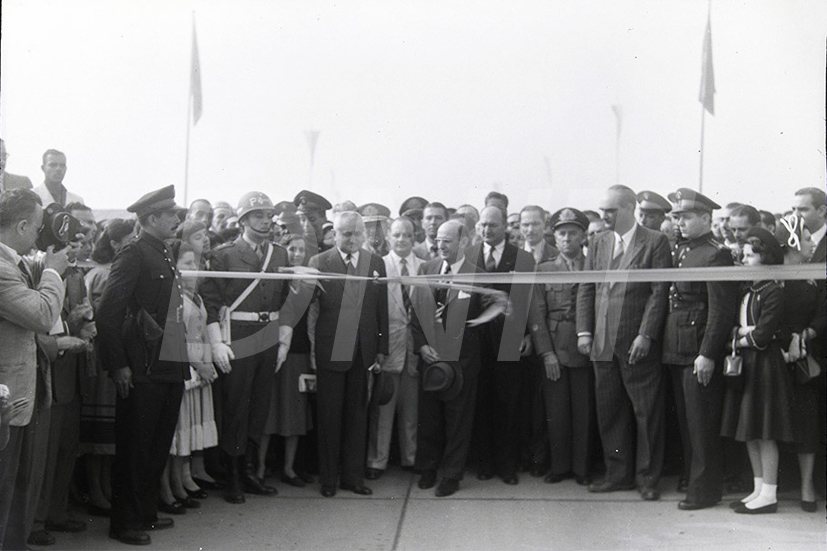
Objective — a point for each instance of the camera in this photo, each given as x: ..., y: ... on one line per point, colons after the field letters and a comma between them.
x: 58, y: 229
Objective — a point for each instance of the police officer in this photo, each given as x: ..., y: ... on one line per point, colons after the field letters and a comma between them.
x: 651, y: 209
x: 142, y: 342
x: 311, y: 207
x: 247, y: 355
x: 697, y: 327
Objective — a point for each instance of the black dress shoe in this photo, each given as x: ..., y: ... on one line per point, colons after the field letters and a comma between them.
x: 583, y: 480
x: 608, y: 486
x: 553, y: 478
x: 188, y: 502
x: 808, y: 506
x: 687, y: 505
x: 40, y: 537
x: 427, y: 480
x: 98, y: 511
x: 68, y: 526
x: 328, y: 491
x: 649, y: 493
x: 160, y: 523
x: 359, y: 490
x: 511, y: 479
x: 485, y: 475
x: 174, y: 508
x: 447, y: 486
x: 735, y: 504
x: 234, y: 497
x: 255, y: 485
x: 197, y: 494
x: 373, y: 474
x: 130, y: 537
x: 208, y: 485
x: 771, y: 508
x: 294, y: 481
x: 683, y: 484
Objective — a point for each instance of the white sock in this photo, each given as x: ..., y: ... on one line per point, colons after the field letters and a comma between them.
x: 767, y: 497
x: 756, y: 489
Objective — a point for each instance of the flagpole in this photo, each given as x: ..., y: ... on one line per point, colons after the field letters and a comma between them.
x: 701, y: 176
x: 187, y: 154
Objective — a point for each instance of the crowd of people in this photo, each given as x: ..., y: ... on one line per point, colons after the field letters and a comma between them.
x: 163, y: 386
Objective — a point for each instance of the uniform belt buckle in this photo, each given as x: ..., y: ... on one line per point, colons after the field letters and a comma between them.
x: 264, y: 317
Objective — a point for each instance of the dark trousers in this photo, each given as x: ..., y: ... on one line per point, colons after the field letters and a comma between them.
x: 444, y: 433
x: 246, y: 392
x: 144, y: 426
x: 64, y: 437
x: 570, y: 415
x: 343, y: 422
x: 699, y: 412
x: 22, y: 465
x: 630, y: 408
x: 532, y: 413
x: 496, y: 424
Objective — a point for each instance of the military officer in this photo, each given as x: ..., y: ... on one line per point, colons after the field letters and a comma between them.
x: 376, y: 218
x: 247, y: 355
x: 311, y: 208
x: 700, y: 317
x: 142, y: 343
x: 651, y: 209
x: 413, y: 208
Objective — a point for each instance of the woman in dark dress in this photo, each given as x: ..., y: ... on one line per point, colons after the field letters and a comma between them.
x: 759, y: 414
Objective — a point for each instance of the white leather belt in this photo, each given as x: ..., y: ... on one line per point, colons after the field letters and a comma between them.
x: 263, y: 317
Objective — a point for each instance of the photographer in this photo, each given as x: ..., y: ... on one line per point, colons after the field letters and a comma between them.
x: 27, y: 307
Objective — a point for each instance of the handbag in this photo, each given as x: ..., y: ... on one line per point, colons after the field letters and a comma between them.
x: 806, y: 368
x: 733, y: 364
x: 225, y: 311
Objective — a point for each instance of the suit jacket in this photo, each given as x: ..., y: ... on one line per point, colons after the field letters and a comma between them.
x: 820, y: 252
x: 13, y: 181
x: 350, y: 312
x: 46, y: 196
x: 399, y: 319
x: 23, y: 313
x: 143, y: 276
x: 558, y: 302
x: 616, y: 314
x: 549, y: 253
x: 422, y: 251
x: 525, y: 310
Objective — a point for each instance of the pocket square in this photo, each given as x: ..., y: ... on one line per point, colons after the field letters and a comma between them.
x: 463, y: 294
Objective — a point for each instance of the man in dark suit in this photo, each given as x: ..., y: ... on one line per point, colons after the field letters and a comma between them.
x: 10, y: 181
x: 497, y: 425
x: 810, y: 205
x: 619, y: 325
x: 351, y: 337
x: 142, y: 342
x: 433, y: 216
x: 448, y: 390
x: 701, y: 315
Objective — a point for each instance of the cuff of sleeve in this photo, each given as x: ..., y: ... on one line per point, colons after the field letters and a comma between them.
x: 584, y: 334
x: 52, y: 270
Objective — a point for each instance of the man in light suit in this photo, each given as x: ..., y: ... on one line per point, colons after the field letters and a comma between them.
x: 52, y: 189
x: 401, y: 362
x: 27, y: 307
x: 350, y: 336
x: 8, y: 181
x: 619, y: 325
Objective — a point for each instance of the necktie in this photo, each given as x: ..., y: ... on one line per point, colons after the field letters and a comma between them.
x: 351, y: 269
x: 259, y: 252
x: 26, y: 274
x: 433, y: 251
x: 490, y: 263
x: 442, y: 292
x: 406, y: 299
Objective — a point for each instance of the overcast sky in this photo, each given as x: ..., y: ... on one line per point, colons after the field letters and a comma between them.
x: 444, y: 99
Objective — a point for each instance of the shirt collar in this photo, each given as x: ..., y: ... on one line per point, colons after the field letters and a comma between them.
x: 498, y: 249
x: 627, y: 237
x: 353, y: 256
x: 396, y: 259
x: 11, y: 252
x: 249, y: 242
x: 816, y: 236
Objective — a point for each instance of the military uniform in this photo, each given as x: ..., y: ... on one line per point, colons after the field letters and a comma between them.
x: 700, y: 317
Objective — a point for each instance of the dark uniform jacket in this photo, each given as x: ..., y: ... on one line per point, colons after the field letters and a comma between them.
x: 143, y: 277
x: 701, y: 314
x: 558, y: 305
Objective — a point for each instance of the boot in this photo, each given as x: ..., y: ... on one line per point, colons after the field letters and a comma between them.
x: 234, y: 493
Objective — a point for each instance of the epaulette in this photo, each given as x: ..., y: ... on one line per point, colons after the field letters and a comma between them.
x: 717, y: 244
x: 224, y: 246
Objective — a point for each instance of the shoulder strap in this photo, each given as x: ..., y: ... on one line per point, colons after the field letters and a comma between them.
x: 253, y: 283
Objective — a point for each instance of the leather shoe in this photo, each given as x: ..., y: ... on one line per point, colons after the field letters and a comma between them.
x: 447, y: 486
x: 255, y: 485
x: 687, y: 505
x: 328, y: 491
x: 359, y: 490
x: 735, y: 504
x: 683, y: 484
x: 427, y: 480
x: 485, y: 475
x: 234, y: 497
x: 174, y: 508
x: 207, y: 485
x: 608, y: 486
x: 40, y: 537
x: 553, y: 478
x: 188, y: 502
x: 294, y: 481
x: 373, y: 474
x: 771, y: 508
x: 808, y: 506
x: 160, y: 523
x: 511, y: 479
x: 649, y: 493
x: 68, y: 526
x: 583, y: 480
x: 197, y: 494
x: 130, y: 537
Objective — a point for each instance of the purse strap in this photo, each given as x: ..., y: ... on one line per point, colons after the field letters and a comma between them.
x: 734, y: 341
x: 254, y: 283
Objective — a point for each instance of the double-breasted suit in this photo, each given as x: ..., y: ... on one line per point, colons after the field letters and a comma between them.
x: 629, y: 397
x: 350, y: 330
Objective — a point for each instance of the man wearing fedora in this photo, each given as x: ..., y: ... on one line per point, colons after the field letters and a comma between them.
x: 142, y: 343
x: 449, y: 349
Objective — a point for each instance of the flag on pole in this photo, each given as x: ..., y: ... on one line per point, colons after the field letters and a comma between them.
x: 312, y: 136
x: 707, y: 95
x: 195, y: 78
x: 618, y: 111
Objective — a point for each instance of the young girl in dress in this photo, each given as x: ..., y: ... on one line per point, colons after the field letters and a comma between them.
x: 759, y: 413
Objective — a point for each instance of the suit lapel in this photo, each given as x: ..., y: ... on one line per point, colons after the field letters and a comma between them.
x: 636, y: 247
x: 508, y: 259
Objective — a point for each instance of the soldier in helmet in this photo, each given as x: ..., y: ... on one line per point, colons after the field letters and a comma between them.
x: 251, y: 351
